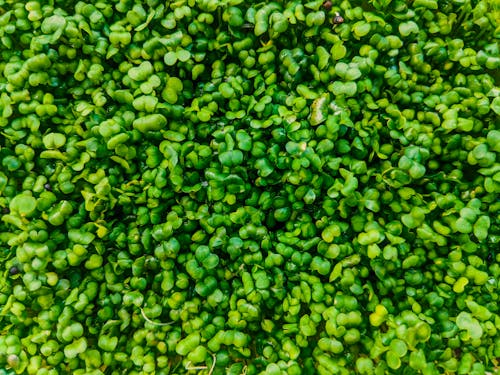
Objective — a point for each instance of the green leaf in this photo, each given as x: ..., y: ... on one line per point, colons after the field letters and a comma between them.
x: 152, y: 122
x: 24, y: 204
x: 77, y: 236
x: 429, y: 4
x: 264, y: 166
x: 226, y: 90
x: 337, y: 88
x: 204, y: 115
x: 231, y: 158
x: 323, y: 57
x: 182, y: 55
x: 330, y: 345
x: 495, y: 105
x: 407, y: 28
x: 330, y: 233
x: 478, y: 311
x: 381, y: 4
x: 319, y: 110
x: 373, y: 251
x: 141, y: 72
x: 75, y: 348
x: 282, y: 214
x: 370, y: 237
x: 211, y: 262
x: 364, y: 365
x: 341, y: 69
x: 53, y: 24
x: 463, y: 226
x: 398, y: 347
x: 417, y: 171
x: 54, y: 140
x: 188, y: 344
x: 170, y: 58
x: 418, y: 360
x: 336, y: 272
x: 279, y: 22
x: 413, y: 219
x: 338, y: 51
x: 466, y: 322
x: 393, y: 360
x: 353, y: 73
x: 481, y: 227
x: 350, y: 88
x: 244, y: 140
x: 493, y: 139
x: 107, y: 343
x: 361, y: 29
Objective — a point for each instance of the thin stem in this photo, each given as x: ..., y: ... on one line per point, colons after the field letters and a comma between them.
x: 189, y: 367
x: 154, y: 323
x: 464, y: 16
x: 213, y: 364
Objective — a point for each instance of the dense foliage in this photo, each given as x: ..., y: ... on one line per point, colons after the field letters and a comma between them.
x: 222, y: 186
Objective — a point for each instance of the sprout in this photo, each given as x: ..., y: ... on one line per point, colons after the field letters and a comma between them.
x: 293, y: 187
